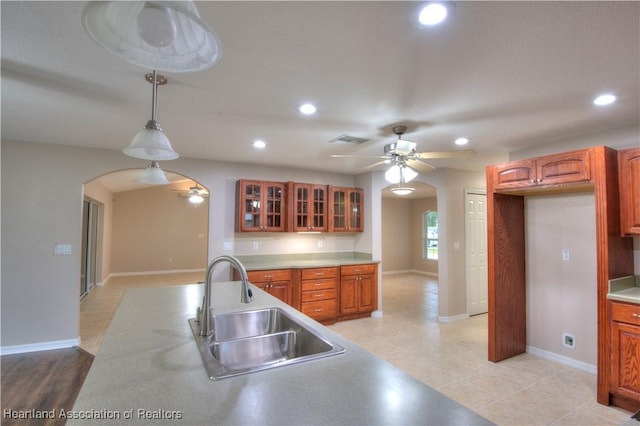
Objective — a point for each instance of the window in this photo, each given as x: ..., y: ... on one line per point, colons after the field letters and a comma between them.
x: 430, y: 236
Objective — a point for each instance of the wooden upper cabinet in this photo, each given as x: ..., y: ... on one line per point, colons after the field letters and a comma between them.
x: 346, y: 209
x: 558, y: 169
x: 308, y: 206
x: 629, y: 173
x: 261, y: 206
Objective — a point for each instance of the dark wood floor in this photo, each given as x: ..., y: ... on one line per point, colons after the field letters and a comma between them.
x: 42, y: 384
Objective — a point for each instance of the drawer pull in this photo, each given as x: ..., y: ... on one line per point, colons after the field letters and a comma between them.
x: 319, y: 274
x: 318, y: 284
x: 635, y: 315
x: 318, y: 310
x: 268, y: 277
x: 319, y: 295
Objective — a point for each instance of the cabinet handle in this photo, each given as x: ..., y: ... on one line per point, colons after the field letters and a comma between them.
x: 318, y: 310
x: 635, y: 315
x: 268, y: 277
x: 319, y: 295
x: 319, y: 274
x: 318, y: 284
x: 539, y: 180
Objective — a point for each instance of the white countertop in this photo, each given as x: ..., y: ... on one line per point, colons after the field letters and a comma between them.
x: 625, y: 289
x: 149, y: 368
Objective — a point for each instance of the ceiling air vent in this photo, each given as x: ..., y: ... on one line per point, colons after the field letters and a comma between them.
x: 352, y: 140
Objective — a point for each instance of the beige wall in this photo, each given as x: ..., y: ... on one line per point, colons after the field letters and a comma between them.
x: 561, y: 295
x: 396, y: 235
x: 156, y: 230
x: 402, y: 235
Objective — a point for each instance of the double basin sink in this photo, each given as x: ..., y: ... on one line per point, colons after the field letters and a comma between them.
x: 249, y: 341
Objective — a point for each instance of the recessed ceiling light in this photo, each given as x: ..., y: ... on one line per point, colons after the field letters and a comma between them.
x: 604, y: 99
x: 461, y: 141
x: 432, y: 14
x: 307, y: 109
x: 259, y: 144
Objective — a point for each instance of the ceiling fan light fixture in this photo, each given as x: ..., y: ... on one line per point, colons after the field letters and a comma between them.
x: 393, y: 174
x: 162, y: 35
x: 153, y: 175
x: 196, y: 199
x: 408, y: 174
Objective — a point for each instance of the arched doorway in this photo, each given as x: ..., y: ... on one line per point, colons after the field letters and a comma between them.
x: 139, y: 235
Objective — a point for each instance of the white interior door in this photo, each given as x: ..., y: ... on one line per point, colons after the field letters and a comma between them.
x: 476, y: 251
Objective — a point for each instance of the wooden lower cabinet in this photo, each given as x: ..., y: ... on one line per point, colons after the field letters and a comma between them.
x: 625, y: 355
x: 276, y: 282
x: 358, y: 290
x: 319, y: 293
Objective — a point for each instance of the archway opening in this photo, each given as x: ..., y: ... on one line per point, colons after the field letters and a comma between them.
x: 143, y: 235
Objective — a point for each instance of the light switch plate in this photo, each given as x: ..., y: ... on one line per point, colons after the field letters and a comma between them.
x: 62, y: 249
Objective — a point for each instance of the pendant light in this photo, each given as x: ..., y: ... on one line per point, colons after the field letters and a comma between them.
x: 153, y: 174
x: 151, y: 143
x: 160, y: 35
x: 401, y: 189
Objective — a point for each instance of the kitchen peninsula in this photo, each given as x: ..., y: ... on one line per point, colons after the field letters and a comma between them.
x: 149, y: 363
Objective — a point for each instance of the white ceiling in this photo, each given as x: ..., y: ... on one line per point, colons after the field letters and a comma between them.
x: 508, y: 75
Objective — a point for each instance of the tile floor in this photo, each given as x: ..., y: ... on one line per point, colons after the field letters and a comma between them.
x: 452, y: 358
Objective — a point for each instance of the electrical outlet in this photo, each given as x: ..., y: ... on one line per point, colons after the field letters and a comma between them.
x: 320, y: 244
x: 566, y: 255
x: 256, y: 245
x: 568, y: 340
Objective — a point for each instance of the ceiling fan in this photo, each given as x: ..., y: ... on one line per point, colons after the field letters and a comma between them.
x: 195, y: 194
x: 402, y: 154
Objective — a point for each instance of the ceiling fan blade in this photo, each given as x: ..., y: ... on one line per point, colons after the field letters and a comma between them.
x: 446, y: 154
x: 379, y: 163
x: 420, y: 166
x: 359, y: 156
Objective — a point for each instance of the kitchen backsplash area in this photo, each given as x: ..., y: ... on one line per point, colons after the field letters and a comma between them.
x: 285, y: 243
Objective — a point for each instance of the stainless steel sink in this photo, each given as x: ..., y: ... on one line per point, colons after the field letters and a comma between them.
x: 249, y: 341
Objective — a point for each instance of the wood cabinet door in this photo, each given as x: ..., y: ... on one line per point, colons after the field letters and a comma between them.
x: 625, y: 360
x: 273, y: 215
x: 280, y: 290
x: 260, y: 206
x: 307, y: 207
x: 629, y: 172
x: 368, y: 293
x: 570, y: 167
x: 516, y: 174
x: 348, y: 295
x: 346, y: 209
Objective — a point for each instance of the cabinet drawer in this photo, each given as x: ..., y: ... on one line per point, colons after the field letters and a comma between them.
x: 358, y: 269
x: 310, y: 285
x: 312, y: 296
x: 315, y: 273
x: 626, y: 313
x: 321, y: 309
x: 270, y: 275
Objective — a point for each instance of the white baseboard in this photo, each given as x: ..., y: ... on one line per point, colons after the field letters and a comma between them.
x: 376, y: 314
x: 454, y: 318
x: 172, y: 271
x: 36, y: 347
x: 411, y: 271
x: 579, y: 365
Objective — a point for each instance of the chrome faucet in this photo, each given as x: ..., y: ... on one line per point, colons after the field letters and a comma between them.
x: 204, y: 314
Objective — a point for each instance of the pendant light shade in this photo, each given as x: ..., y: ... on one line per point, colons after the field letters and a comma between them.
x: 161, y: 35
x: 151, y: 143
x: 153, y: 174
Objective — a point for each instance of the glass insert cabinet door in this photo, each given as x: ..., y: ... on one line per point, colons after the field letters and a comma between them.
x: 308, y: 210
x: 346, y: 209
x: 261, y: 206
